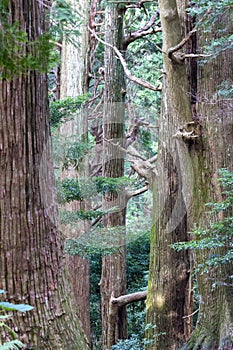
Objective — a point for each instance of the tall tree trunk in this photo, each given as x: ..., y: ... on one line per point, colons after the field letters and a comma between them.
x: 74, y: 82
x: 169, y: 297
x: 189, y: 158
x: 113, y: 279
x: 32, y: 265
x: 214, y: 327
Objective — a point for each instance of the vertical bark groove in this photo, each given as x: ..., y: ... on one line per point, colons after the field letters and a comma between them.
x: 113, y: 279
x: 31, y: 263
x: 169, y: 297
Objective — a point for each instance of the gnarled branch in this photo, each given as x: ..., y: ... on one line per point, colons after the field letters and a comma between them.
x: 146, y: 30
x: 129, y: 75
x: 173, y: 49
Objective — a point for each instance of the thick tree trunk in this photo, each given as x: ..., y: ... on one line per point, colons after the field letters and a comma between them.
x: 31, y: 262
x: 169, y: 296
x: 74, y: 82
x: 113, y: 279
x: 193, y: 118
x: 214, y: 327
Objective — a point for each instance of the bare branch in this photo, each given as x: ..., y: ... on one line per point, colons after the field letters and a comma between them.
x: 127, y: 299
x: 45, y: 3
x: 116, y: 303
x: 96, y: 221
x: 193, y: 55
x: 144, y: 168
x: 136, y: 193
x: 138, y: 4
x: 130, y: 76
x: 90, y: 102
x: 146, y: 30
x: 153, y: 159
x: 139, y: 34
x: 182, y: 56
x: 191, y: 314
x: 131, y: 151
x: 173, y: 49
x: 134, y: 129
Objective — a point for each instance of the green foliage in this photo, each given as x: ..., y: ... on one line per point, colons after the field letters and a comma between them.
x: 146, y: 62
x: 137, y: 267
x: 100, y: 239
x: 15, y: 307
x: 137, y: 276
x: 148, y: 142
x: 144, y: 58
x: 64, y: 110
x: 211, y: 18
x: 133, y: 343
x: 12, y: 345
x: 217, y: 238
x: 71, y: 190
x: 70, y: 152
x: 65, y: 22
x: 78, y: 189
x: 18, y: 54
x: 74, y: 216
x: 137, y: 261
x: 210, y: 12
x: 138, y: 216
x: 75, y: 154
x: 112, y: 185
x: 225, y: 89
x: 6, y: 306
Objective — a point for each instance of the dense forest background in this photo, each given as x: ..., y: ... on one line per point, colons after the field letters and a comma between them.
x: 116, y: 175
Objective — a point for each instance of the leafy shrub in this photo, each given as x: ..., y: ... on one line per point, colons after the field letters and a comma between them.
x: 6, y: 306
x: 133, y: 343
x: 64, y: 110
x: 12, y: 345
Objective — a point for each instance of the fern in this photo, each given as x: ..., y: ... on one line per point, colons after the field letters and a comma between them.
x: 12, y: 345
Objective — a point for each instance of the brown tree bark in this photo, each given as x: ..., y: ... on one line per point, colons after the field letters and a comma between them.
x: 193, y: 118
x: 169, y: 297
x: 74, y: 82
x: 31, y: 263
x: 214, y: 326
x: 113, y: 279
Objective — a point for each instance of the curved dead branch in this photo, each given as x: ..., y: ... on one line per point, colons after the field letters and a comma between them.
x: 129, y: 75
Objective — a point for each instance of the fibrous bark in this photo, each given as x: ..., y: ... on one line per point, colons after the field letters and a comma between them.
x: 169, y: 293
x: 193, y: 118
x: 74, y: 82
x: 113, y: 279
x: 31, y: 263
x: 215, y: 318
